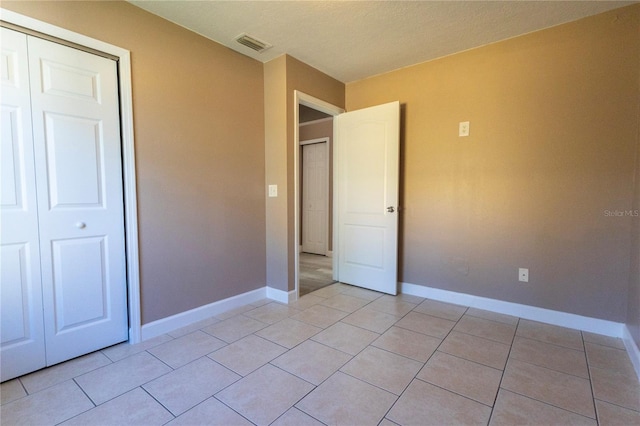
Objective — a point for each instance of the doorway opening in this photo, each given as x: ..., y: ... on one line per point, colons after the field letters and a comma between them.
x: 314, y: 257
x: 315, y: 265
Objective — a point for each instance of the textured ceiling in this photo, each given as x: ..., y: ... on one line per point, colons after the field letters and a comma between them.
x: 351, y: 40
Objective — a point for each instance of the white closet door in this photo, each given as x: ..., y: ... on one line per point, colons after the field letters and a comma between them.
x: 22, y: 346
x: 74, y: 97
x: 314, y: 198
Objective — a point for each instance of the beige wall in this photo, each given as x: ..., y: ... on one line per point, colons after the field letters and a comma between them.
x: 279, y: 161
x: 199, y: 137
x: 275, y: 145
x: 554, y: 128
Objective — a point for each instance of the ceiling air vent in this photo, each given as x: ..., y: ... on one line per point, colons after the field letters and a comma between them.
x: 253, y: 43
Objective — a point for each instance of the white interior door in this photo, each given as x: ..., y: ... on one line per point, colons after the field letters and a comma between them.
x: 76, y: 129
x: 367, y: 142
x: 315, y: 169
x: 22, y: 341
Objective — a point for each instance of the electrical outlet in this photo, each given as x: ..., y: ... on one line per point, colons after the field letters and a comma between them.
x: 273, y: 190
x: 463, y: 128
x: 523, y: 275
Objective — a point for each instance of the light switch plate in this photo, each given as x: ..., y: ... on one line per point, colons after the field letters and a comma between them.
x: 463, y: 128
x: 523, y: 275
x: 273, y: 190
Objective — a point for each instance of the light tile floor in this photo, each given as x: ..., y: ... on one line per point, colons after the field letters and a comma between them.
x: 341, y: 355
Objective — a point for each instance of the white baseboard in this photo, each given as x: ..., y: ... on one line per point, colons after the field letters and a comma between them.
x: 183, y: 319
x: 563, y: 319
x: 632, y: 350
x: 281, y: 295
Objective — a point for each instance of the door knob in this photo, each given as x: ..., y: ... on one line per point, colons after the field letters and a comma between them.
x: 390, y: 209
x: 81, y: 225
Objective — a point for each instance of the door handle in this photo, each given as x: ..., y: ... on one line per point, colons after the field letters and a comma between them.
x: 390, y: 209
x: 81, y: 225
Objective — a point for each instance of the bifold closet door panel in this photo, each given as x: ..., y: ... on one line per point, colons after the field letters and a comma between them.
x: 76, y: 132
x: 22, y: 345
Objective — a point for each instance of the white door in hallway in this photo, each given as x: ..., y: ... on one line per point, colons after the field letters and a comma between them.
x: 76, y: 157
x: 22, y: 324
x: 367, y: 178
x: 315, y: 198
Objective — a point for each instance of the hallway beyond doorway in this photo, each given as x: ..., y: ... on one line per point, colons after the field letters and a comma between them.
x: 315, y: 272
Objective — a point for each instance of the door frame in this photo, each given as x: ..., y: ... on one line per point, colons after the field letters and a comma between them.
x: 300, y: 98
x: 128, y: 152
x: 327, y: 148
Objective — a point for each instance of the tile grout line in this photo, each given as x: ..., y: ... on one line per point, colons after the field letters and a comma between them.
x: 270, y: 362
x: 352, y: 357
x: 549, y: 369
x: 553, y: 369
x: 128, y: 390
x: 156, y: 400
x: 617, y: 405
x: 23, y: 387
x: 415, y: 377
x: 593, y: 395
x: 314, y: 387
x: 310, y: 338
x: 223, y: 403
x: 190, y: 362
x: 504, y: 371
x: 553, y: 344
x: 550, y: 404
x: 459, y: 357
x: 85, y: 394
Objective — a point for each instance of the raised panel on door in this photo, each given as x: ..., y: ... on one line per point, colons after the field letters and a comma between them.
x: 314, y: 198
x: 80, y: 260
x: 367, y: 173
x: 22, y: 343
x: 80, y: 199
x: 74, y: 161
